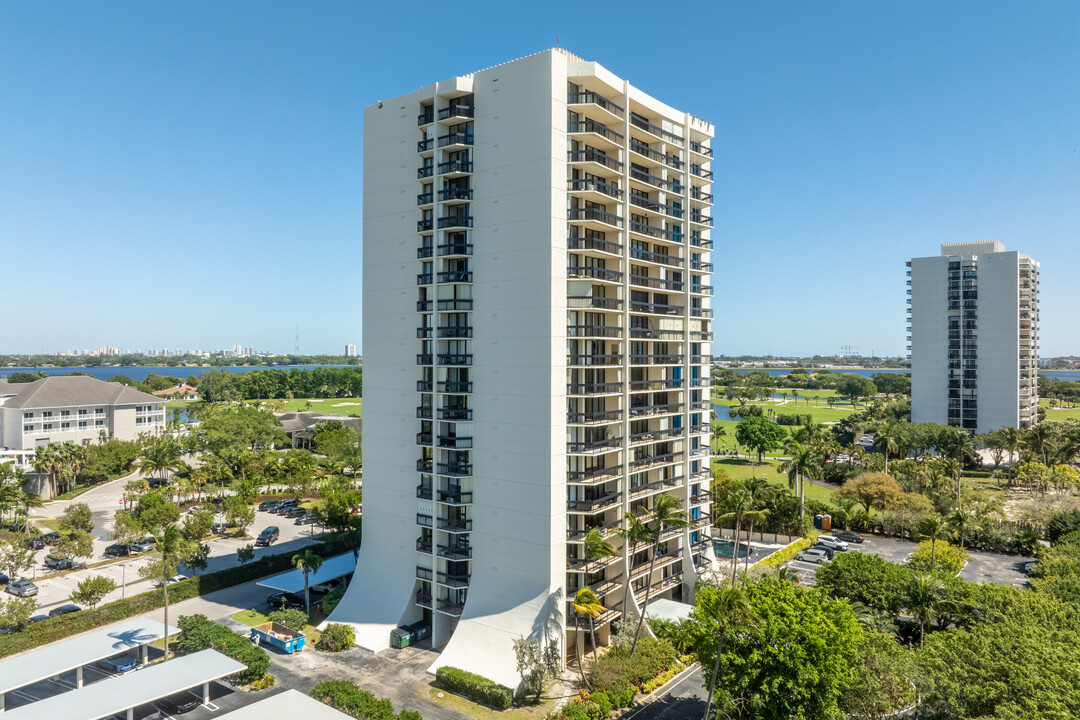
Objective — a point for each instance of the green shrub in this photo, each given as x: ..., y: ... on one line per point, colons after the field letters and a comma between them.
x: 293, y: 619
x: 782, y: 555
x: 575, y: 711
x: 332, y: 598
x: 622, y: 697
x: 344, y: 695
x: 604, y: 701
x: 200, y: 633
x: 617, y: 671
x: 475, y: 687
x: 336, y: 638
x: 266, y: 681
x: 947, y: 558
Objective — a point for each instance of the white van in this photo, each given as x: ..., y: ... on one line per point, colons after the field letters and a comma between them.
x: 812, y: 555
x: 830, y: 542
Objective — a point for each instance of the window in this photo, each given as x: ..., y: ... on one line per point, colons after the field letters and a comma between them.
x: 27, y: 415
x: 47, y: 426
x: 82, y: 412
x: 65, y: 426
x: 28, y: 429
x: 65, y: 413
x: 47, y: 413
x: 99, y: 423
x: 82, y: 423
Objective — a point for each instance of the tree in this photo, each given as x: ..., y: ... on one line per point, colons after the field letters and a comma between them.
x: 855, y: 387
x: 666, y: 513
x: 77, y: 516
x: 245, y: 554
x: 197, y: 525
x: 154, y: 511
x: 885, y: 440
x: 792, y: 662
x: 925, y: 598
x: 536, y: 665
x: 238, y: 513
x: 596, y: 548
x: 586, y: 603
x: 160, y: 456
x: 14, y: 558
x: 881, y: 679
x: 872, y: 490
x: 727, y: 608
x: 931, y: 528
x: 803, y: 462
x: 960, y: 523
x: 868, y: 579
x: 635, y: 533
x: 760, y: 435
x: 307, y: 562
x: 172, y: 545
x: 739, y: 503
x: 93, y: 590
x: 75, y: 543
x: 15, y: 613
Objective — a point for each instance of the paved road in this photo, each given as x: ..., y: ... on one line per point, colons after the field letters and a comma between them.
x: 683, y: 699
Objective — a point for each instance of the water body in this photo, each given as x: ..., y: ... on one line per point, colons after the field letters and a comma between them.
x: 139, y: 373
x: 866, y: 373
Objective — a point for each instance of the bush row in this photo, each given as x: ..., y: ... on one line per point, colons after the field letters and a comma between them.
x: 784, y: 554
x: 344, y: 695
x: 475, y: 687
x: 47, y: 631
x: 336, y: 638
x: 200, y: 633
x: 617, y: 672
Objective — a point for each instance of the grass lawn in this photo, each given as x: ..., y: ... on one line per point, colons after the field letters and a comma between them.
x: 468, y: 707
x: 1060, y: 414
x: 330, y: 406
x: 254, y: 618
x: 739, y: 469
x: 719, y: 390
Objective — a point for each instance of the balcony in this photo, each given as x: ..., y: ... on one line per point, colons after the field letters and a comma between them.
x: 651, y: 385
x: 697, y: 217
x: 656, y: 283
x: 610, y: 388
x: 650, y: 410
x: 423, y: 412
x: 456, y: 110
x: 424, y: 251
x: 593, y: 447
x: 456, y: 276
x: 423, y: 306
x: 455, y: 138
x: 655, y: 308
x: 656, y: 359
x: 455, y: 525
x: 453, y: 221
x: 423, y: 465
x: 593, y: 331
x: 455, y: 497
x: 455, y: 331
x: 455, y: 469
x: 455, y: 249
x: 451, y: 608
x: 655, y: 435
x: 593, y: 301
x: 652, y: 231
x: 455, y: 167
x: 659, y: 258
x: 454, y: 581
x: 426, y: 117
x: 699, y: 194
x: 423, y: 438
x: 424, y: 573
x: 424, y: 225
x: 640, y: 122
x: 455, y: 387
x: 454, y: 193
x: 600, y: 216
x: 423, y: 520
x: 455, y: 359
x: 455, y: 413
x: 593, y: 505
x: 446, y: 305
x: 594, y: 156
x: 425, y: 172
x: 651, y: 461
x: 423, y: 279
x: 425, y: 145
x: 654, y: 180
x: 592, y: 126
x: 698, y: 171
x: 455, y: 552
x: 423, y: 386
x: 593, y: 476
x: 424, y: 493
x: 588, y: 243
x: 458, y: 442
x: 697, y: 241
x: 423, y: 599
x: 423, y: 359
x: 592, y: 98
x: 596, y: 273
x: 644, y: 150
x: 602, y: 416
x: 700, y: 312
x: 425, y: 198
x: 592, y: 185
x: 701, y: 149
x: 423, y: 333
x: 594, y: 360
x: 640, y: 491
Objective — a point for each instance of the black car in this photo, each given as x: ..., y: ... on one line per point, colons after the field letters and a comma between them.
x: 4, y: 579
x: 269, y: 505
x: 295, y: 512
x: 178, y: 704
x: 64, y: 610
x: 848, y: 536
x: 58, y: 562
x: 285, y: 506
x: 219, y: 528
x: 50, y: 537
x: 34, y: 543
x: 829, y: 552
x: 278, y: 600
x: 268, y: 536
x: 117, y: 550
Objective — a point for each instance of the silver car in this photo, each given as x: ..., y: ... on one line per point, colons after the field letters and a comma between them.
x: 813, y: 556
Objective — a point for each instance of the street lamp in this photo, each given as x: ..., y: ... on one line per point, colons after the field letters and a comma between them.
x: 123, y: 581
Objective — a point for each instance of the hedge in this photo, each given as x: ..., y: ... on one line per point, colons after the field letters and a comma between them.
x: 336, y: 638
x: 344, y: 695
x: 200, y: 633
x: 784, y: 554
x: 58, y: 628
x: 475, y: 687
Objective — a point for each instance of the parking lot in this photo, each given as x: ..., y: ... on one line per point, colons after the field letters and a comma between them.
x: 983, y: 567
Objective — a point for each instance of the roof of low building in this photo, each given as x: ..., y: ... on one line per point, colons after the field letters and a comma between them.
x: 184, y: 389
x: 76, y: 390
x: 293, y: 422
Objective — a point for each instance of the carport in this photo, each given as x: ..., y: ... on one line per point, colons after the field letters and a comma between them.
x: 289, y: 704
x: 127, y: 692
x: 74, y: 654
x: 292, y: 581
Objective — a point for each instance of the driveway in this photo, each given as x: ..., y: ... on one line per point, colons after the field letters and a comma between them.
x: 682, y: 699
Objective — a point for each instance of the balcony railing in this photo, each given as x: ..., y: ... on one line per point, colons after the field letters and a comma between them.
x: 423, y: 438
x: 596, y: 273
x: 464, y: 221
x: 644, y: 124
x: 456, y: 110
x: 594, y: 156
x: 424, y: 493
x: 455, y: 276
x: 424, y: 573
x: 656, y: 359
x: 455, y: 525
x: 593, y: 475
x: 591, y: 126
x: 456, y: 138
x: 423, y: 520
x: 456, y: 249
x: 455, y: 359
x: 455, y: 387
x: 656, y: 180
x: 593, y: 504
x: 424, y: 225
x: 647, y: 410
x: 608, y: 331
x: 423, y: 412
x: 423, y: 279
x: 700, y: 149
x: 594, y: 301
x: 592, y: 98
x: 594, y: 185
x: 423, y: 465
x: 455, y: 166
x: 455, y: 413
x: 451, y: 608
x: 455, y: 552
x: 423, y: 599
x: 423, y: 359
x: 596, y: 215
x: 658, y: 283
x: 588, y: 243
x: 425, y: 145
x: 459, y: 442
x: 455, y: 469
x: 593, y: 388
x: 428, y: 116
x: 455, y: 497
x: 456, y: 331
x: 579, y: 418
x: 425, y: 172
x: 655, y: 460
x: 661, y: 258
x: 655, y: 308
x: 589, y: 446
x: 651, y: 230
x: 594, y: 360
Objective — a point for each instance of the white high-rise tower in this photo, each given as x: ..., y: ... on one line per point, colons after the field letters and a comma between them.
x: 536, y: 336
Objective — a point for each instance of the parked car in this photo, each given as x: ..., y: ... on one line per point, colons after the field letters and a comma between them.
x: 22, y: 588
x: 145, y: 545
x: 50, y: 537
x: 848, y: 536
x: 34, y: 543
x: 1027, y: 567
x: 813, y: 555
x: 269, y: 505
x: 118, y: 665
x: 56, y: 561
x: 830, y: 541
x: 268, y: 536
x: 304, y: 519
x: 277, y: 600
x: 218, y: 528
x: 295, y: 512
x: 4, y: 579
x: 117, y: 550
x: 178, y: 704
x: 173, y: 580
x: 38, y: 618
x: 829, y: 552
x: 64, y: 610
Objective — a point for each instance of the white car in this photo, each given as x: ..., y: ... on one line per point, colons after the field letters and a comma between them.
x: 831, y: 542
x: 813, y: 556
x: 175, y: 579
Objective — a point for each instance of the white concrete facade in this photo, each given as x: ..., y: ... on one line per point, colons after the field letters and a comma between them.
x: 523, y: 388
x: 973, y: 315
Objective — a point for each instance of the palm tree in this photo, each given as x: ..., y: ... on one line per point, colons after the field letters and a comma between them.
x: 960, y: 523
x: 1011, y: 439
x: 885, y: 440
x: 1040, y: 439
x: 25, y: 502
x: 171, y: 543
x: 760, y: 490
x: 730, y: 607
x: 634, y: 532
x: 307, y: 562
x: 925, y: 598
x: 804, y: 462
x: 666, y: 513
x: 931, y: 528
x: 844, y: 507
x: 596, y: 547
x: 586, y: 602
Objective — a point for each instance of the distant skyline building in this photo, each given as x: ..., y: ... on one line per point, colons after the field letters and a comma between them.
x: 350, y: 351
x: 973, y: 316
x: 549, y: 374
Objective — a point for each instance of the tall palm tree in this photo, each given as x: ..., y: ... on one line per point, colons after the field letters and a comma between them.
x: 760, y: 490
x: 635, y: 533
x: 666, y: 513
x: 730, y: 607
x: 925, y: 599
x: 960, y: 522
x: 1040, y: 439
x: 586, y: 603
x: 803, y: 462
x: 307, y: 562
x: 885, y: 440
x: 596, y: 548
x: 1011, y: 439
x: 25, y: 502
x: 172, y: 544
x: 931, y: 528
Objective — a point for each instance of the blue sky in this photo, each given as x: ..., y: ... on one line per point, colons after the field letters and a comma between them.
x: 189, y: 174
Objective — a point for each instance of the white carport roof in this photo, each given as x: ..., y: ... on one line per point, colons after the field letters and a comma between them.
x: 289, y: 704
x: 115, y: 695
x: 59, y: 657
x: 293, y: 580
x: 664, y: 609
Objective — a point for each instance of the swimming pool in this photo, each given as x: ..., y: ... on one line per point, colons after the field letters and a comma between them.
x: 724, y: 548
